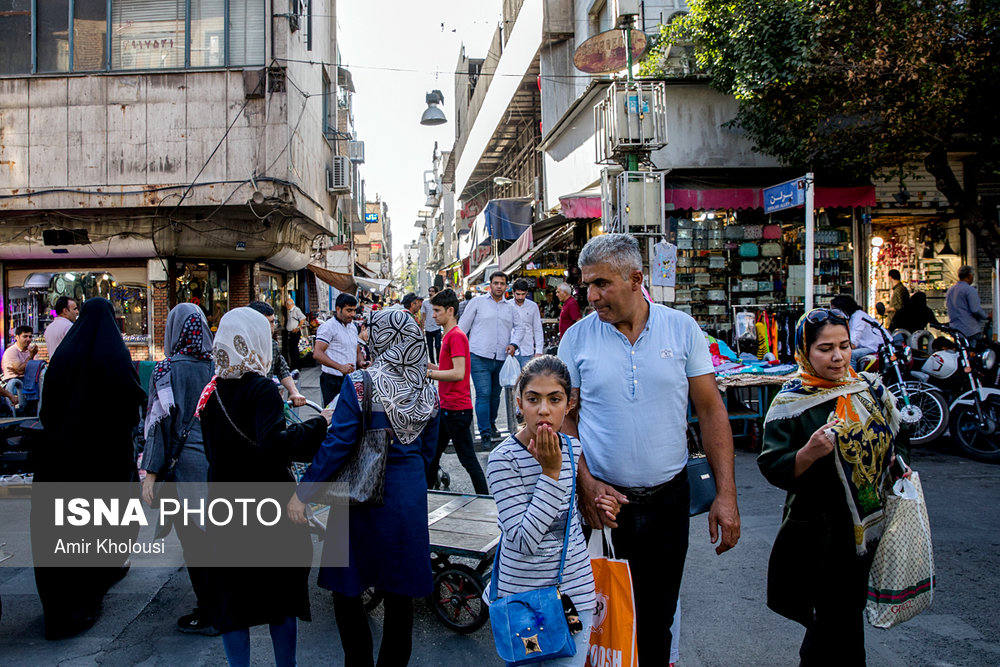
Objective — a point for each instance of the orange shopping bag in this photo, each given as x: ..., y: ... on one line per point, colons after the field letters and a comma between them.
x: 612, y: 636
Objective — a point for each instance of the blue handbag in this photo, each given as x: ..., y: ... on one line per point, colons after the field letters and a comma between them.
x: 531, y: 626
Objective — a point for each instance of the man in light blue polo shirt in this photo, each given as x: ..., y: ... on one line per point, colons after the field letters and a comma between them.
x: 634, y: 366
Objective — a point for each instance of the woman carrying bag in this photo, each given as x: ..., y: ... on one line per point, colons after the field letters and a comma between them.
x: 830, y: 437
x: 389, y: 544
x: 175, y: 449
x: 247, y: 440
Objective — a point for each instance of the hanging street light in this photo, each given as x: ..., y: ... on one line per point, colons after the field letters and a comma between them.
x: 433, y: 115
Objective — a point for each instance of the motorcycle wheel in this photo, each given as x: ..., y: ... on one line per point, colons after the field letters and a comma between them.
x: 933, y: 408
x: 966, y: 434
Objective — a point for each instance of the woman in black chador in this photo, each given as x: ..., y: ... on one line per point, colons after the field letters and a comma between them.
x: 90, y: 405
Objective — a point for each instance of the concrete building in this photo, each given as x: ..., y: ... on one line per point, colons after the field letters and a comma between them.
x: 155, y: 153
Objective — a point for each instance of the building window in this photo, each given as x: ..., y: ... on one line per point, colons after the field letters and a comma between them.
x: 15, y: 36
x: 147, y: 35
x: 90, y: 35
x: 53, y: 36
x: 246, y: 32
x: 329, y: 108
x: 208, y: 33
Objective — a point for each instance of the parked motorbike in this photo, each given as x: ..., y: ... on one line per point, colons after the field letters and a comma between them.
x: 963, y: 378
x: 921, y: 406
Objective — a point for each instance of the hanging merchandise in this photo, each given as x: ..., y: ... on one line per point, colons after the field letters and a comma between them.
x: 771, y: 250
x: 752, y: 232
x: 749, y: 249
x: 771, y: 232
x: 664, y: 271
x: 734, y: 233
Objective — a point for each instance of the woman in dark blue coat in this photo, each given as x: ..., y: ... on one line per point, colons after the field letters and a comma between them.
x: 389, y: 545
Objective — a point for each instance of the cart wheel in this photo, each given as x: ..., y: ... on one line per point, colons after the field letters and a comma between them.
x: 371, y: 598
x: 458, y: 599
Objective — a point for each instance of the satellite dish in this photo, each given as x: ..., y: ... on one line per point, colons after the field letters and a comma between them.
x: 604, y: 53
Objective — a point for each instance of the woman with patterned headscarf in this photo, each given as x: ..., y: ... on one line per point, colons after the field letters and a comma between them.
x: 830, y: 437
x: 173, y: 434
x: 247, y: 440
x: 389, y: 547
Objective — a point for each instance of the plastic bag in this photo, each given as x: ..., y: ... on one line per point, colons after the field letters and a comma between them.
x: 612, y: 636
x: 901, y: 582
x: 510, y: 372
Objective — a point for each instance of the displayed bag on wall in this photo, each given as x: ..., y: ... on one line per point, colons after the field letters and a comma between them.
x: 734, y: 232
x: 749, y: 249
x: 749, y: 268
x: 716, y: 262
x: 771, y: 232
x: 716, y: 295
x: 772, y: 249
x: 901, y: 581
x: 765, y: 285
x: 752, y: 231
x: 748, y: 285
x: 770, y: 265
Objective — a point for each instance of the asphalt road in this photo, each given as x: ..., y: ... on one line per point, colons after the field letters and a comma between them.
x: 725, y: 621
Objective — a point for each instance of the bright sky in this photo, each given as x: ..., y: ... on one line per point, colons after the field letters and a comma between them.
x: 378, y: 36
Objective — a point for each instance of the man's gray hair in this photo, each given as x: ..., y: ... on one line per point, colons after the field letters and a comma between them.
x: 565, y: 287
x: 965, y: 272
x: 619, y: 251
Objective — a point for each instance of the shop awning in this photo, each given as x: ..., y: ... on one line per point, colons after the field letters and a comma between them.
x: 557, y: 237
x: 588, y: 205
x: 581, y: 205
x: 372, y: 284
x: 506, y: 219
x: 543, y: 231
x: 343, y: 282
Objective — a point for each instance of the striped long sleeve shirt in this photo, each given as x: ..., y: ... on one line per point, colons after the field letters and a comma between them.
x: 531, y: 511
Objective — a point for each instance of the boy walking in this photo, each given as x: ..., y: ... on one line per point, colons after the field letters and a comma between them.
x: 452, y: 373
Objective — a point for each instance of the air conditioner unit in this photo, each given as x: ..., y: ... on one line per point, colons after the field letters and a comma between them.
x: 338, y: 176
x: 356, y: 151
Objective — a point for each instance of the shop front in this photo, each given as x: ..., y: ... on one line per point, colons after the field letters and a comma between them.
x: 31, y: 290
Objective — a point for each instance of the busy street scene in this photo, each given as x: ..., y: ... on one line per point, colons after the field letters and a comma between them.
x: 579, y: 333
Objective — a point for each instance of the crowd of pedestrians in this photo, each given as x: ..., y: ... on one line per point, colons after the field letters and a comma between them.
x: 603, y: 445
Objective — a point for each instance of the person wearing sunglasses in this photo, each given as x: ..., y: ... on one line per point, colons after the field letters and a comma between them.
x: 830, y: 438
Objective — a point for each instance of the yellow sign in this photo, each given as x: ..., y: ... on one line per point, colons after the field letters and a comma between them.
x: 543, y: 272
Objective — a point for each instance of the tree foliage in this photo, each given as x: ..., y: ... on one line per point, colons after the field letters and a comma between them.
x: 858, y: 86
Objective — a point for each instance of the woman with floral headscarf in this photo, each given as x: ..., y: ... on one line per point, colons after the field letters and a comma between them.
x: 830, y: 437
x: 247, y: 440
x: 173, y: 437
x: 389, y: 545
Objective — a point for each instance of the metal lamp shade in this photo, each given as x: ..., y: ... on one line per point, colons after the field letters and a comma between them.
x: 433, y: 116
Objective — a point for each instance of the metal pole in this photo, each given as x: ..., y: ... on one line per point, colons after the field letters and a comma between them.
x: 996, y: 297
x: 810, y: 240
x: 633, y: 158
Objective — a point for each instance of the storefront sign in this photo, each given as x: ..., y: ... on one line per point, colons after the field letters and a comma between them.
x: 785, y: 195
x: 371, y: 217
x: 536, y: 273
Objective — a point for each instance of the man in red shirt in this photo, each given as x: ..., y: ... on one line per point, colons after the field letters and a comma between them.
x: 570, y: 313
x: 452, y: 373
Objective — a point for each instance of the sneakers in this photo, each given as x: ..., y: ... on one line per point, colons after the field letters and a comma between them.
x: 195, y: 624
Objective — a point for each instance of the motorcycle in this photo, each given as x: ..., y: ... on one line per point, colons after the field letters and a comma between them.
x: 974, y: 421
x: 921, y: 406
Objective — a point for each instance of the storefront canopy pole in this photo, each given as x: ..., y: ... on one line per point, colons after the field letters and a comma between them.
x: 996, y: 297
x: 810, y: 238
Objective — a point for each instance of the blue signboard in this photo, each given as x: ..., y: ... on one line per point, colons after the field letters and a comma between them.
x: 371, y: 217
x: 785, y: 195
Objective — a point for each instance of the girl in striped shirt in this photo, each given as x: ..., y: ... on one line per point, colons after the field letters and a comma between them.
x: 530, y: 479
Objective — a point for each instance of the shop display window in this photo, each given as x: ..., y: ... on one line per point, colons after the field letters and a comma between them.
x: 206, y: 285
x: 33, y: 304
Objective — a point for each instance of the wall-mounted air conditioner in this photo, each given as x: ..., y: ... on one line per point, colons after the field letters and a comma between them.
x: 338, y: 176
x: 356, y: 151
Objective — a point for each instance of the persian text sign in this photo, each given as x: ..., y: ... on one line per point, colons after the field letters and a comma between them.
x: 785, y: 195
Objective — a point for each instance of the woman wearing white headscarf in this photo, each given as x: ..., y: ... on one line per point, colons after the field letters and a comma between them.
x: 174, y: 433
x: 247, y: 440
x: 389, y: 546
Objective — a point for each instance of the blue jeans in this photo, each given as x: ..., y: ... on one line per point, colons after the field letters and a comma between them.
x: 522, y: 359
x: 857, y: 353
x: 485, y: 374
x: 237, y: 644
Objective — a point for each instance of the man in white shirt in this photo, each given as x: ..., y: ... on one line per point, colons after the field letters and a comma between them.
x: 432, y: 330
x: 294, y: 322
x: 337, y: 350
x: 54, y: 333
x: 488, y: 321
x: 527, y: 334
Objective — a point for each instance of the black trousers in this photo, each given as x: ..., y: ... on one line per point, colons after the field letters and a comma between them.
x: 455, y: 426
x: 195, y: 545
x: 652, y: 535
x: 356, y: 635
x: 433, y: 339
x: 329, y: 386
x: 837, y: 632
x: 293, y: 349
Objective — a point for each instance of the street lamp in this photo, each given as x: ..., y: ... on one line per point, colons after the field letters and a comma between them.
x: 433, y: 115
